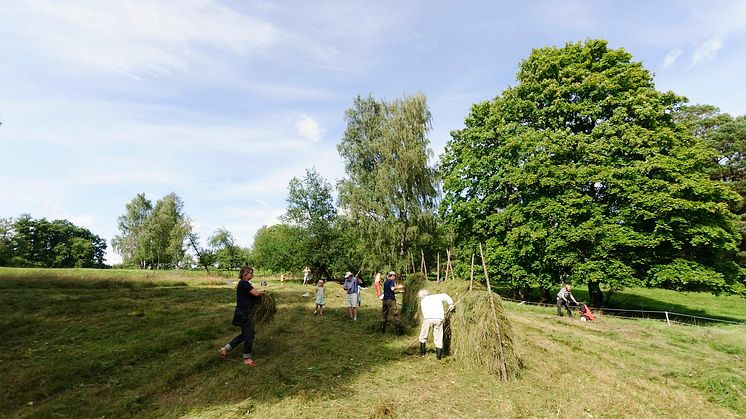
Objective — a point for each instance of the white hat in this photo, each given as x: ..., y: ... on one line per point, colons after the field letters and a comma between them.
x: 423, y: 293
x: 391, y: 273
x: 348, y: 274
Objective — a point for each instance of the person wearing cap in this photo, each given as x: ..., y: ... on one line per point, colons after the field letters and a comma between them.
x: 389, y: 303
x: 433, y: 317
x: 352, y: 286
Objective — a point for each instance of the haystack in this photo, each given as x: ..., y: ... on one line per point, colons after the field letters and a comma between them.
x: 264, y: 311
x: 410, y: 307
x: 481, y: 335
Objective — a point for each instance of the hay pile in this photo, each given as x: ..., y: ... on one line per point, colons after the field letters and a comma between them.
x: 410, y: 306
x: 264, y: 310
x: 482, y: 338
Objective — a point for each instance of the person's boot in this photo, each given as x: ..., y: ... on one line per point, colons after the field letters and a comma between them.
x: 439, y: 352
x: 422, y: 349
x: 383, y: 327
x: 399, y: 330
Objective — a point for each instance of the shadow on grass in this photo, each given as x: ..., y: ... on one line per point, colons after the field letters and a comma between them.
x: 153, y: 351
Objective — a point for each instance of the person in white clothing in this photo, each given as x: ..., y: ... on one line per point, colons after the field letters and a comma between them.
x: 432, y: 317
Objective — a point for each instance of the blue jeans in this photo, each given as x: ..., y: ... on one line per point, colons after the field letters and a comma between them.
x: 247, y: 337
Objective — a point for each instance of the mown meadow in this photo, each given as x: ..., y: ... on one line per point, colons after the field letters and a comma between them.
x: 115, y: 343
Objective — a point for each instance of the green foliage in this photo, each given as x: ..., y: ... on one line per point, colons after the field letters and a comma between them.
x: 225, y: 252
x: 727, y: 136
x: 390, y: 189
x: 580, y: 174
x: 279, y: 248
x: 310, y: 207
x: 27, y: 242
x: 153, y: 236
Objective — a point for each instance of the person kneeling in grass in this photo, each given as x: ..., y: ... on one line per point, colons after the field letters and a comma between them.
x: 433, y: 317
x: 246, y: 299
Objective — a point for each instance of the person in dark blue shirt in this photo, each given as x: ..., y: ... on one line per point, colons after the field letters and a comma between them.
x: 246, y: 298
x: 389, y: 303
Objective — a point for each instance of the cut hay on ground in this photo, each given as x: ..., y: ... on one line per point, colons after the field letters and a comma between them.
x: 477, y: 340
x: 410, y: 307
x: 264, y: 311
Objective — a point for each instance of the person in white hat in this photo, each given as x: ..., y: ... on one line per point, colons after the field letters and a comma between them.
x: 432, y: 317
x: 352, y: 286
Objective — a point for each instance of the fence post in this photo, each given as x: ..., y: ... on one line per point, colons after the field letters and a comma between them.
x: 667, y: 320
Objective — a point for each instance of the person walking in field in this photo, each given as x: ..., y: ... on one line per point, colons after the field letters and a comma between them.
x: 306, y: 275
x: 432, y: 318
x: 352, y: 286
x: 389, y: 303
x: 562, y: 300
x: 378, y: 286
x: 246, y: 299
x: 319, y: 298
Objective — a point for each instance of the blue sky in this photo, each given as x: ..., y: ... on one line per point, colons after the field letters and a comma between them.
x: 223, y: 102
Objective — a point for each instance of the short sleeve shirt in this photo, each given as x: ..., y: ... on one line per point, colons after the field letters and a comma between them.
x: 244, y: 299
x: 388, y: 293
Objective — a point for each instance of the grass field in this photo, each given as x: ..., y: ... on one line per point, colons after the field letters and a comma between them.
x: 113, y: 343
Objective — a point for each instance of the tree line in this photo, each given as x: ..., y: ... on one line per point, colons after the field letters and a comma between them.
x: 29, y: 242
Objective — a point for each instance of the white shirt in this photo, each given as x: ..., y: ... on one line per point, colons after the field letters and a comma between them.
x: 432, y: 306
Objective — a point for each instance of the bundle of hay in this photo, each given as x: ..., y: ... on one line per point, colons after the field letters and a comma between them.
x: 410, y: 307
x: 264, y: 310
x: 481, y: 335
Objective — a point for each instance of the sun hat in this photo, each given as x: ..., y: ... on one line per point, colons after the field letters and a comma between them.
x: 391, y: 273
x: 423, y: 293
x: 348, y: 274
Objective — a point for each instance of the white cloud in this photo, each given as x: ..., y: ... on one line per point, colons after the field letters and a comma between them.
x: 671, y: 57
x: 706, y: 50
x: 309, y: 129
x: 140, y: 38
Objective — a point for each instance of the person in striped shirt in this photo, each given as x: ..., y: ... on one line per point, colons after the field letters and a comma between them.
x: 562, y: 300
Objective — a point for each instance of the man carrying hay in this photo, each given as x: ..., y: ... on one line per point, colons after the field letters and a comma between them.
x: 247, y: 297
x: 389, y: 303
x: 433, y: 317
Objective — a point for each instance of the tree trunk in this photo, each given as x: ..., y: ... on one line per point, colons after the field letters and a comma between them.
x: 595, y: 294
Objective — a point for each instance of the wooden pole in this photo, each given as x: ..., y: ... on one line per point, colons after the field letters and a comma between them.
x: 438, y: 274
x: 450, y: 265
x: 503, y: 369
x: 471, y: 282
x: 445, y: 273
x: 423, y: 267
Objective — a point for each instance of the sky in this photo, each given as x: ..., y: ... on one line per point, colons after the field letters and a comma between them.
x: 224, y: 101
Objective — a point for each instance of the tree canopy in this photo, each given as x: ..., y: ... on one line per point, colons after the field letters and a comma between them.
x: 153, y: 237
x: 580, y: 174
x: 390, y: 190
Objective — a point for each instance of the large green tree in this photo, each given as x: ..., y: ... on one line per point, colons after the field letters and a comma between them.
x: 580, y: 174
x: 279, y: 248
x: 153, y: 237
x: 727, y: 136
x: 227, y: 253
x: 131, y: 229
x: 390, y: 190
x: 311, y: 207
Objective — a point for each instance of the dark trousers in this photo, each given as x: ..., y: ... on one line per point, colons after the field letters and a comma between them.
x: 560, y: 303
x: 389, y: 306
x: 247, y: 337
